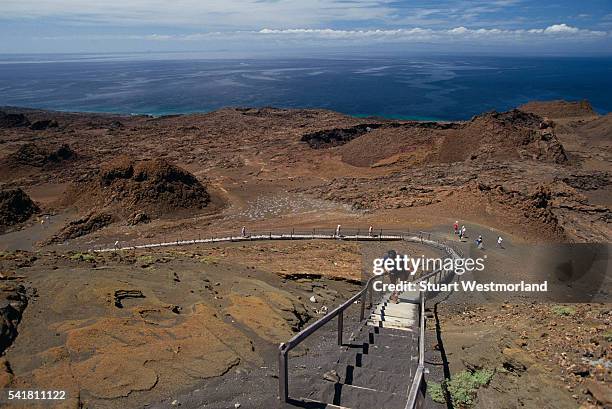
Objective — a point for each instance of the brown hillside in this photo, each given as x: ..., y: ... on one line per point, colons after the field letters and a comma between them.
x: 153, y: 186
x: 559, y: 109
x: 506, y: 135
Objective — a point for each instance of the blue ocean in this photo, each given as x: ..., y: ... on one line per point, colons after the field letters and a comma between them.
x: 442, y: 87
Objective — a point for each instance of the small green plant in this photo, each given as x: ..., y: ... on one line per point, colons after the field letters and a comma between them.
x: 209, y: 260
x: 563, y: 310
x: 435, y: 392
x: 145, y: 260
x: 608, y: 336
x: 463, y: 386
x: 83, y: 257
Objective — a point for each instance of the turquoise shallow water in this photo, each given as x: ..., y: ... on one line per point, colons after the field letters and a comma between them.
x: 443, y: 88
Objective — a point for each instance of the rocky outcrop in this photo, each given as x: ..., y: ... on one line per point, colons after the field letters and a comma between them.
x: 82, y: 226
x: 34, y: 155
x: 505, y: 136
x: 337, y: 136
x: 155, y: 187
x: 44, y: 124
x: 131, y: 191
x: 588, y: 181
x: 15, y: 207
x: 120, y: 295
x: 138, y: 218
x: 13, y: 120
x: 13, y: 301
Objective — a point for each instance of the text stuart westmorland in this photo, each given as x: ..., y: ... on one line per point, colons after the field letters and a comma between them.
x: 467, y: 286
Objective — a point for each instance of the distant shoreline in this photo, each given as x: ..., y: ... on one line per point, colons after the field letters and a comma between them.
x: 196, y: 112
x: 167, y: 114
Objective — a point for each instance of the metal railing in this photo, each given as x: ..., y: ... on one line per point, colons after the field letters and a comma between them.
x: 416, y: 392
x: 285, y: 347
x: 348, y: 234
x: 438, y: 276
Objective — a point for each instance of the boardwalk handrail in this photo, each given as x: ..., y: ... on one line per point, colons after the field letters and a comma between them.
x: 285, y: 347
x: 415, y: 400
x: 314, y: 234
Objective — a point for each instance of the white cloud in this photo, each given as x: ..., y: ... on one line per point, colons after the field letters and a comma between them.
x: 557, y: 32
x: 561, y: 28
x: 560, y: 31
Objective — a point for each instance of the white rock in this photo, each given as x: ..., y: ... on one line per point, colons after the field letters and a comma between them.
x: 313, y: 299
x: 236, y: 405
x: 175, y: 402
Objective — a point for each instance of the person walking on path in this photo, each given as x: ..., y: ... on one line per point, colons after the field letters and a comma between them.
x: 370, y: 231
x: 243, y: 231
x: 456, y: 227
x: 463, y: 231
x: 338, y: 230
x: 499, y: 242
x: 479, y: 242
x: 394, y: 276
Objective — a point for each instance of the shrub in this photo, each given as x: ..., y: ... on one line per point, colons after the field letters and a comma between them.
x: 464, y: 385
x: 209, y: 260
x: 563, y: 310
x: 435, y: 392
x: 145, y: 261
x: 83, y: 257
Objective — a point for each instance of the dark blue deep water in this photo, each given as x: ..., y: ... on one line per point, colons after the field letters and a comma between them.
x: 406, y: 87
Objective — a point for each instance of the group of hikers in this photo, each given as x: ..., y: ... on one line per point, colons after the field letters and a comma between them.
x: 460, y: 232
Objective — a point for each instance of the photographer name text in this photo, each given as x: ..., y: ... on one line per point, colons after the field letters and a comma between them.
x: 467, y: 286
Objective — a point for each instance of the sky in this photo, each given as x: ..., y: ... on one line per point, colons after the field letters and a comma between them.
x: 307, y: 27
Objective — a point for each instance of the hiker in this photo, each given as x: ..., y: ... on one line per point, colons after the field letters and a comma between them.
x: 370, y: 231
x: 243, y: 231
x: 499, y: 242
x: 456, y: 227
x: 479, y: 242
x: 338, y: 230
x: 460, y: 234
x: 394, y: 275
x: 117, y: 244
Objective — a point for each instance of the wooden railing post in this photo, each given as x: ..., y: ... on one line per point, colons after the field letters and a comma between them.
x: 283, y: 374
x: 340, y: 327
x: 363, y: 301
